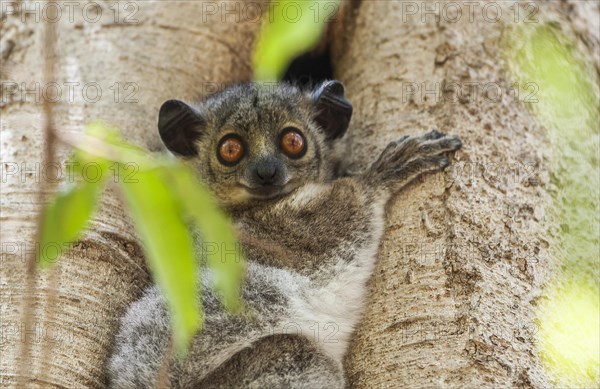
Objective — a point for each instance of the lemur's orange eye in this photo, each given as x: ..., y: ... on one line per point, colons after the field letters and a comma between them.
x: 292, y: 142
x: 230, y: 150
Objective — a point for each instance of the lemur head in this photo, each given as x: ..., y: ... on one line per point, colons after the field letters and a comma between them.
x: 254, y: 142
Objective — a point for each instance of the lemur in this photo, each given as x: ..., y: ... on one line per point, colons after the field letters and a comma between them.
x: 274, y: 158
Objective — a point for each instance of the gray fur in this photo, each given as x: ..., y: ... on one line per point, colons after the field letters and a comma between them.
x: 310, y: 249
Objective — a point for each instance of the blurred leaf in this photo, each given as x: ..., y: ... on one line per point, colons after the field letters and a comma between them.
x: 219, y: 243
x: 65, y: 218
x: 291, y: 28
x: 157, y: 216
x: 103, y: 131
x: 67, y: 215
x: 162, y: 194
x: 570, y: 332
x: 103, y: 142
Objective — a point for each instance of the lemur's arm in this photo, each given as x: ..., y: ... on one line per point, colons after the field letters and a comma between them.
x: 339, y: 255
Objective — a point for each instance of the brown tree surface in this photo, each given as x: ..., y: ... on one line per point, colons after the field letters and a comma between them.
x: 466, y: 252
x: 453, y: 298
x: 155, y: 51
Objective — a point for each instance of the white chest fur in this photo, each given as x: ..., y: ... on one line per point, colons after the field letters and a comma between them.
x: 328, y: 314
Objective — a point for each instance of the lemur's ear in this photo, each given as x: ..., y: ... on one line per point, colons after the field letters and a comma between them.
x: 333, y: 110
x: 180, y: 126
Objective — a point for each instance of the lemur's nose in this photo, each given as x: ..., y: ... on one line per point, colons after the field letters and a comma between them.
x: 266, y: 171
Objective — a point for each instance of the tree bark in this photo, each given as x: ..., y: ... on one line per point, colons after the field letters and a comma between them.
x: 155, y: 51
x: 466, y: 252
x: 453, y: 298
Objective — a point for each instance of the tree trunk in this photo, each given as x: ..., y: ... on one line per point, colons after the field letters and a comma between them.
x: 466, y: 252
x: 453, y: 298
x: 149, y: 52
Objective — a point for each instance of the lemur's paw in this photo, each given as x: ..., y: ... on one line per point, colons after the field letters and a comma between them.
x: 430, y: 143
x: 410, y: 156
x: 433, y: 134
x: 411, y: 148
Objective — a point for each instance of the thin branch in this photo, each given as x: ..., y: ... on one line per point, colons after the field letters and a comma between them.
x: 48, y: 52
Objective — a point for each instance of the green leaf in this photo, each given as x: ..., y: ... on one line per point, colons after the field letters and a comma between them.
x: 219, y: 243
x: 291, y: 28
x: 103, y: 142
x: 157, y: 216
x: 65, y: 218
x: 569, y: 331
x: 163, y: 192
x: 67, y: 214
